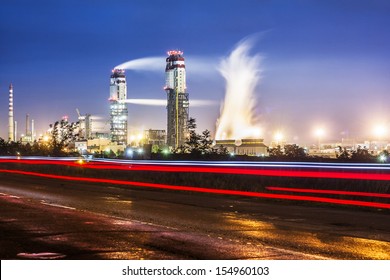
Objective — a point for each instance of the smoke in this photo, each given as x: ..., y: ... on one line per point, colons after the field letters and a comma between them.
x: 149, y: 102
x: 201, y: 103
x: 242, y: 74
x: 145, y: 64
x: 200, y: 66
x: 163, y: 102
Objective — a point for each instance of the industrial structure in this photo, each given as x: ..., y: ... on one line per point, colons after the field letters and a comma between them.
x: 177, y: 99
x: 118, y: 107
x: 29, y: 135
x: 11, y: 128
x: 85, y: 125
x: 249, y: 147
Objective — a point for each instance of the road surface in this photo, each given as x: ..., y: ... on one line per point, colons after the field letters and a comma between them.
x: 46, y: 218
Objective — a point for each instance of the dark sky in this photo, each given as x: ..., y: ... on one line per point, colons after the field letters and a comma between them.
x: 324, y: 62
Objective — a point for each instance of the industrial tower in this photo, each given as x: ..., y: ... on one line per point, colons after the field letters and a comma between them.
x: 11, y: 129
x: 118, y: 107
x: 177, y: 99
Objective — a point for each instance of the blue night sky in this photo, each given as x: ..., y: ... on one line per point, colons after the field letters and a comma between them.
x: 324, y: 62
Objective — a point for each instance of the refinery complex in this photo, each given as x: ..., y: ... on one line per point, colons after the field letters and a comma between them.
x: 118, y: 138
x: 236, y: 129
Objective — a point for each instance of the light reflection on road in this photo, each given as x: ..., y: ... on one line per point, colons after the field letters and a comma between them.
x: 267, y: 232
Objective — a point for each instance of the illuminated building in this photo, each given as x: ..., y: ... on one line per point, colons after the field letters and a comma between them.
x: 177, y: 99
x: 155, y: 137
x: 28, y: 137
x: 249, y: 147
x: 118, y: 107
x: 85, y: 125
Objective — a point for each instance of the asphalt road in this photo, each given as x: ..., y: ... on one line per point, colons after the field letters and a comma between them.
x: 45, y: 218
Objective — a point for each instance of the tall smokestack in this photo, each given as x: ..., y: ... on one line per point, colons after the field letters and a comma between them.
x: 27, y: 125
x: 11, y: 114
x: 15, y: 130
x: 32, y: 131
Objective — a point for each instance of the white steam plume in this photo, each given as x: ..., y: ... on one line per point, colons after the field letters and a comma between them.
x: 147, y: 64
x: 242, y: 73
x: 194, y: 64
x: 163, y: 102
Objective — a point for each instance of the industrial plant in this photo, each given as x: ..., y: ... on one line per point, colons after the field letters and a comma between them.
x: 237, y: 128
x: 119, y: 138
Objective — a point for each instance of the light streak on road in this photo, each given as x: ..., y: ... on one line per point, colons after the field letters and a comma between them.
x: 336, y: 192
x: 205, y: 190
x: 241, y: 168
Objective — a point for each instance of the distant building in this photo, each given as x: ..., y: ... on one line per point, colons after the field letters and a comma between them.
x: 97, y: 146
x: 250, y: 147
x: 155, y: 137
x: 85, y: 126
x: 177, y: 97
x: 118, y: 107
x: 29, y: 136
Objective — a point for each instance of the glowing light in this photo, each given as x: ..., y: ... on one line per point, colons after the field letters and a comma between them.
x: 383, y: 158
x: 129, y: 152
x: 258, y: 171
x: 319, y: 132
x: 278, y: 136
x: 380, y: 130
x: 175, y: 52
x: 242, y: 73
x: 205, y: 190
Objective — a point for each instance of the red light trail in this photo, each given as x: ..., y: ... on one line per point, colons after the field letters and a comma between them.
x: 204, y: 190
x: 256, y: 171
x: 367, y: 194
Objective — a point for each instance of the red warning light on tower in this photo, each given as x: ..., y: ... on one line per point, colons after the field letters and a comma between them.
x: 175, y: 52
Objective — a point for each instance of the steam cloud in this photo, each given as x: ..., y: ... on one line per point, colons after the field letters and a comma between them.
x: 163, y: 102
x: 196, y: 65
x: 145, y: 64
x: 242, y: 74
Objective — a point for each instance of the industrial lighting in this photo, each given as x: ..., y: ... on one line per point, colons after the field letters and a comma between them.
x: 319, y: 132
x: 383, y: 158
x: 278, y: 136
x: 130, y: 152
x: 380, y: 130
